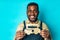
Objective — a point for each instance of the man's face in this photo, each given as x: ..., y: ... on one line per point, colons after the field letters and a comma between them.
x: 32, y: 13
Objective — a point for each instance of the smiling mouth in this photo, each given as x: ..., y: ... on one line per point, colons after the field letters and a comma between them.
x: 32, y: 17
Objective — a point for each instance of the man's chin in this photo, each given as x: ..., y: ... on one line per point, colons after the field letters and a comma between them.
x: 32, y: 20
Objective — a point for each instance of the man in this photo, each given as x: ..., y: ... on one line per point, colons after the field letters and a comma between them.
x: 32, y: 13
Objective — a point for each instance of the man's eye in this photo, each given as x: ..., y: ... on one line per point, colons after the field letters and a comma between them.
x: 29, y: 11
x: 32, y: 11
x: 35, y: 10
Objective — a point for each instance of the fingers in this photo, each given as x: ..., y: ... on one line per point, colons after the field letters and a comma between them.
x: 20, y: 34
x: 19, y: 37
x: 44, y: 33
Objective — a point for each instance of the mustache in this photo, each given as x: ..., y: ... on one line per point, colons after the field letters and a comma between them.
x: 31, y: 15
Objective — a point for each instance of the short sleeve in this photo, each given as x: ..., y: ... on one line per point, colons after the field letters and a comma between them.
x: 44, y: 26
x: 20, y: 27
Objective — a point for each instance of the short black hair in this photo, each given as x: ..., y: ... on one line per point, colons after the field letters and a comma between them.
x: 33, y: 3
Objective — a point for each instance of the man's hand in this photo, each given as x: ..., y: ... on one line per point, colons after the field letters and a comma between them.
x: 44, y: 33
x: 19, y: 35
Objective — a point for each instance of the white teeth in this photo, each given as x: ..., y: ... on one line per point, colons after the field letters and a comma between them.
x: 32, y: 16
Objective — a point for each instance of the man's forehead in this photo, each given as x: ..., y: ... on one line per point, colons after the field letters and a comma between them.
x: 32, y: 7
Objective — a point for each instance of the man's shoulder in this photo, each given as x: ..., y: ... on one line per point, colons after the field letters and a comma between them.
x: 27, y: 22
x: 21, y: 25
x: 37, y: 22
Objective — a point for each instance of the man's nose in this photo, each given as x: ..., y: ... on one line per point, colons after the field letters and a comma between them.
x: 32, y: 13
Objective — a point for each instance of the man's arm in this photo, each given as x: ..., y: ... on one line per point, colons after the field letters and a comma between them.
x: 45, y: 32
x: 19, y: 32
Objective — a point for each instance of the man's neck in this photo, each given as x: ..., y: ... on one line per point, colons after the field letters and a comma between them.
x: 33, y: 21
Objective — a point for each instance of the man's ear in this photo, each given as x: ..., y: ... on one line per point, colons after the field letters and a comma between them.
x: 38, y: 12
x: 27, y: 13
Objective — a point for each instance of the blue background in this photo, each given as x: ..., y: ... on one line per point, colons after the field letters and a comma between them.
x: 13, y: 12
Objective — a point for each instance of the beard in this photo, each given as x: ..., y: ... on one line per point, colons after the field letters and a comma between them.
x: 32, y: 18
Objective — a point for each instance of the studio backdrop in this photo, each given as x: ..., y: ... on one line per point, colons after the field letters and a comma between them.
x: 13, y: 12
